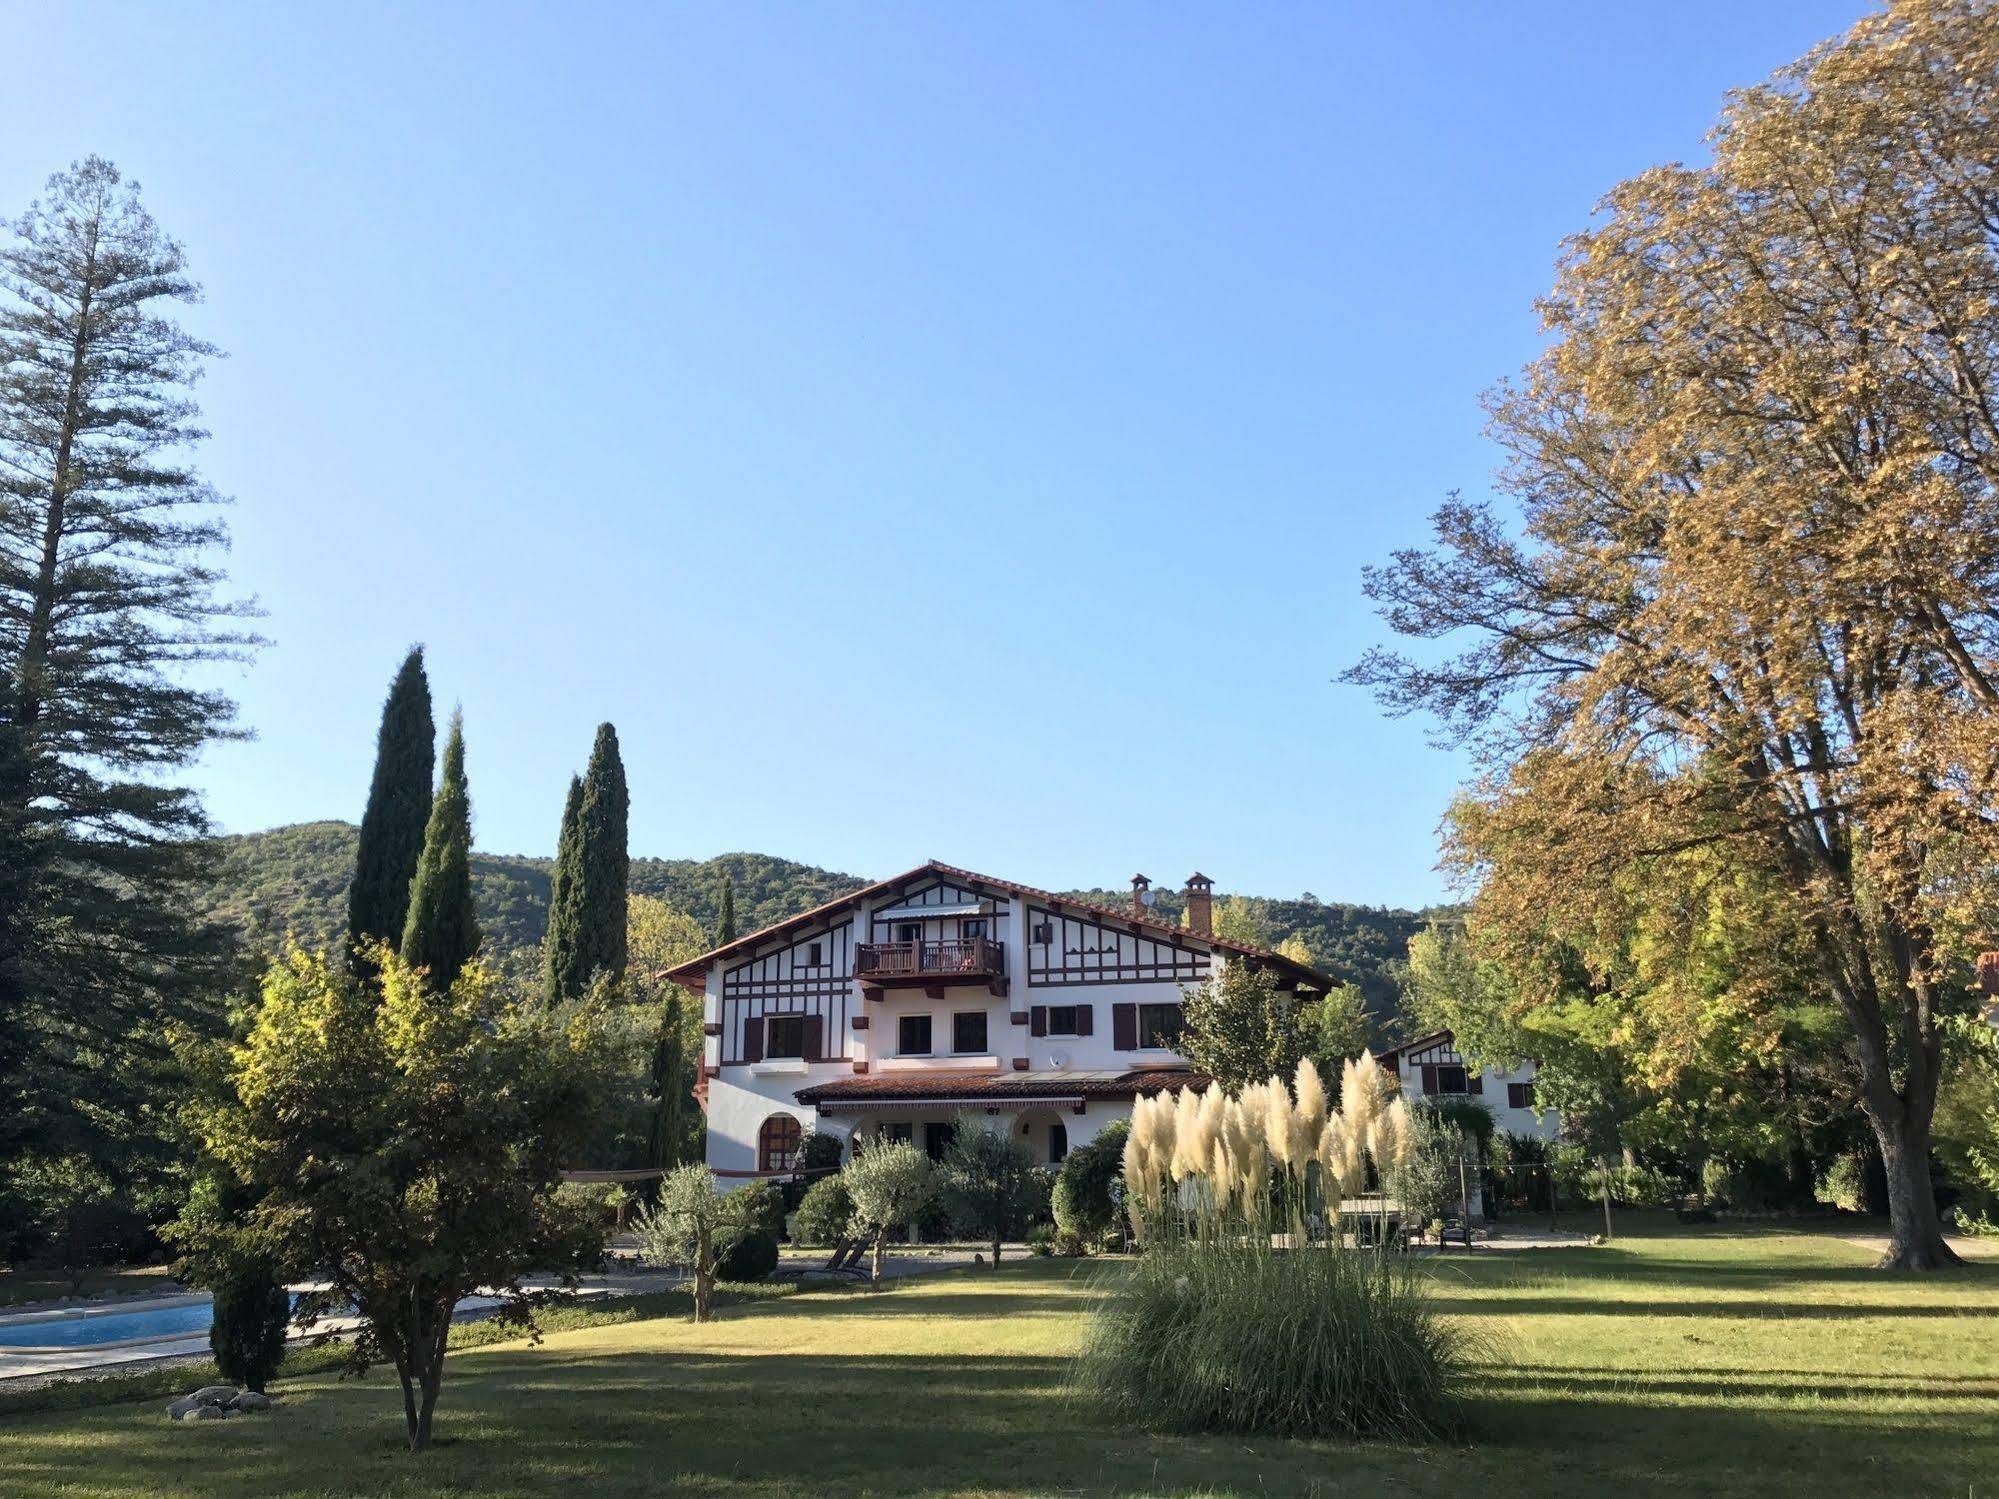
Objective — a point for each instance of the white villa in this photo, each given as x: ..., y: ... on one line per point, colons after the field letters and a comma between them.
x: 889, y: 1012
x: 1431, y: 1067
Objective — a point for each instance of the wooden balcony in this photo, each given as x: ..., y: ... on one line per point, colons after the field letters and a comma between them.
x: 930, y: 966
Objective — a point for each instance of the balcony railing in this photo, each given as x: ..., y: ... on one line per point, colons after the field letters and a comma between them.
x: 975, y: 960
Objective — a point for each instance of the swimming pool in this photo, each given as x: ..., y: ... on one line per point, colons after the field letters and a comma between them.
x: 87, y: 1326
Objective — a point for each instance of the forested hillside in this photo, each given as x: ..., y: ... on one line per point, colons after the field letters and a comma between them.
x: 294, y: 880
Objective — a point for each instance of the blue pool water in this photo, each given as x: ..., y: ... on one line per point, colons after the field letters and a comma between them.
x: 106, y: 1327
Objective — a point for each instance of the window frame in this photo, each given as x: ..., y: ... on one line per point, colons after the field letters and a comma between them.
x: 902, y: 1024
x: 772, y: 1023
x: 1149, y: 1037
x: 1069, y: 1011
x: 785, y: 1156
x: 958, y: 1018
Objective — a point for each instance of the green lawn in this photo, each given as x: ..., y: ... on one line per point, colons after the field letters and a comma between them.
x: 1709, y: 1362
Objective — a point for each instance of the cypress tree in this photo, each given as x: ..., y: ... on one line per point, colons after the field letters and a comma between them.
x: 669, y: 1090
x: 558, y: 949
x: 725, y: 923
x: 587, y: 933
x: 392, y: 828
x: 441, y: 933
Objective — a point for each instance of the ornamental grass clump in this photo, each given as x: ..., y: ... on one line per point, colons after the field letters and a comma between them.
x: 1250, y: 1310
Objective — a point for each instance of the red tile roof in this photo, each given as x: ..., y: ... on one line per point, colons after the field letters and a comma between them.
x: 693, y: 972
x: 974, y: 1087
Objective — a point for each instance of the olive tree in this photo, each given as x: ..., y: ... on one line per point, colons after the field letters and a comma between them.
x: 695, y: 1225
x: 889, y: 1183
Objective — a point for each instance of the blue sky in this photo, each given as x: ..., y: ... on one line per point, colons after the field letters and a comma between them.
x: 924, y: 430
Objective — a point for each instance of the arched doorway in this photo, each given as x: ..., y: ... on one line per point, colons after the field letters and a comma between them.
x: 1046, y: 1132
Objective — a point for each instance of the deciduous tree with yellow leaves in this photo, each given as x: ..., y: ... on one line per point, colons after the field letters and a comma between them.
x: 1750, y: 598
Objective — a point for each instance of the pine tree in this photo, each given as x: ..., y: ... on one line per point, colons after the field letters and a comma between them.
x: 587, y: 916
x: 392, y: 828
x: 441, y: 933
x: 725, y: 923
x: 108, y: 590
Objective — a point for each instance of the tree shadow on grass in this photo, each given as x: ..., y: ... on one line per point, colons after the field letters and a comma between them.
x: 554, y: 1421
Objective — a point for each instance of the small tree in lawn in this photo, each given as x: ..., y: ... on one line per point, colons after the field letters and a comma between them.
x: 694, y: 1225
x: 889, y: 1183
x: 987, y: 1178
x: 253, y: 1312
x: 406, y: 1144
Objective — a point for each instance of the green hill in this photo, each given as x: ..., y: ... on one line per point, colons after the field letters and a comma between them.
x: 294, y: 880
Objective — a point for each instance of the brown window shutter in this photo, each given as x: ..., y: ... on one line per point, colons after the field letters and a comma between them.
x: 1124, y: 1027
x: 1037, y: 1020
x: 1085, y: 1025
x: 753, y: 1040
x: 815, y: 1037
x: 1429, y: 1080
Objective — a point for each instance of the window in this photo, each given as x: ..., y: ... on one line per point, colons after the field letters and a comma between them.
x: 937, y: 1139
x: 1520, y: 1095
x: 968, y: 1031
x: 1061, y: 1020
x: 815, y: 956
x: 777, y: 1144
x: 972, y: 928
x: 1044, y: 932
x: 909, y: 931
x: 912, y: 1036
x: 784, y: 1036
x: 1158, y: 1027
x: 1443, y: 1077
x: 1058, y: 1143
x: 896, y: 1134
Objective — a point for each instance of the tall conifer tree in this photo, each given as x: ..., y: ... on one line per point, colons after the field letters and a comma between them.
x: 587, y: 932
x: 108, y: 590
x: 399, y: 803
x: 725, y: 922
x: 559, y: 944
x: 441, y: 933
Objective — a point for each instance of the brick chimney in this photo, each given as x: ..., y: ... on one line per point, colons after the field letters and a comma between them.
x: 1140, y: 887
x: 1200, y: 905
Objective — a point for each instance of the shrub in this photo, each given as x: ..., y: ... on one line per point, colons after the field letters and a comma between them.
x: 1843, y: 1184
x: 819, y: 1153
x: 824, y: 1214
x: 1430, y: 1186
x: 1212, y: 1336
x: 762, y: 1207
x: 1041, y: 1239
x: 752, y: 1257
x: 1082, y: 1200
x: 253, y: 1311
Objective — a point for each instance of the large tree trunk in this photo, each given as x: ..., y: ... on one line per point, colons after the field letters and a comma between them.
x: 996, y: 1248
x: 1915, y: 1234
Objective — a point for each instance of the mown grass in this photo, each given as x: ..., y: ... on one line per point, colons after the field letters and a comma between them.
x: 1711, y: 1362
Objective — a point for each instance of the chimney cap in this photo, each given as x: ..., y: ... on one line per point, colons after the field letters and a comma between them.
x: 1139, y: 882
x: 1199, y: 882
